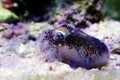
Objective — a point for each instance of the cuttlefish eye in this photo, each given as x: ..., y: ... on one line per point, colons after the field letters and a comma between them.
x: 59, y: 38
x: 60, y: 35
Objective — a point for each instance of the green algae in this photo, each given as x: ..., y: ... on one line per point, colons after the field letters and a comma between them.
x: 6, y: 15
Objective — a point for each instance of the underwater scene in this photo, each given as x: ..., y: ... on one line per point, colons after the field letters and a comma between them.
x: 59, y: 40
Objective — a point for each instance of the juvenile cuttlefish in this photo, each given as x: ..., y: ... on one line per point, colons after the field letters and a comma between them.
x: 76, y: 48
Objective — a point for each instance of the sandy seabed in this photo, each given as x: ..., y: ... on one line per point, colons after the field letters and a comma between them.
x: 20, y: 60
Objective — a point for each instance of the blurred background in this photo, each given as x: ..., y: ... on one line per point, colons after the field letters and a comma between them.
x: 112, y: 9
x: 37, y: 10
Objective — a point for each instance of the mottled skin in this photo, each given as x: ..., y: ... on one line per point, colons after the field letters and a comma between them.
x: 88, y: 51
x: 76, y: 48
